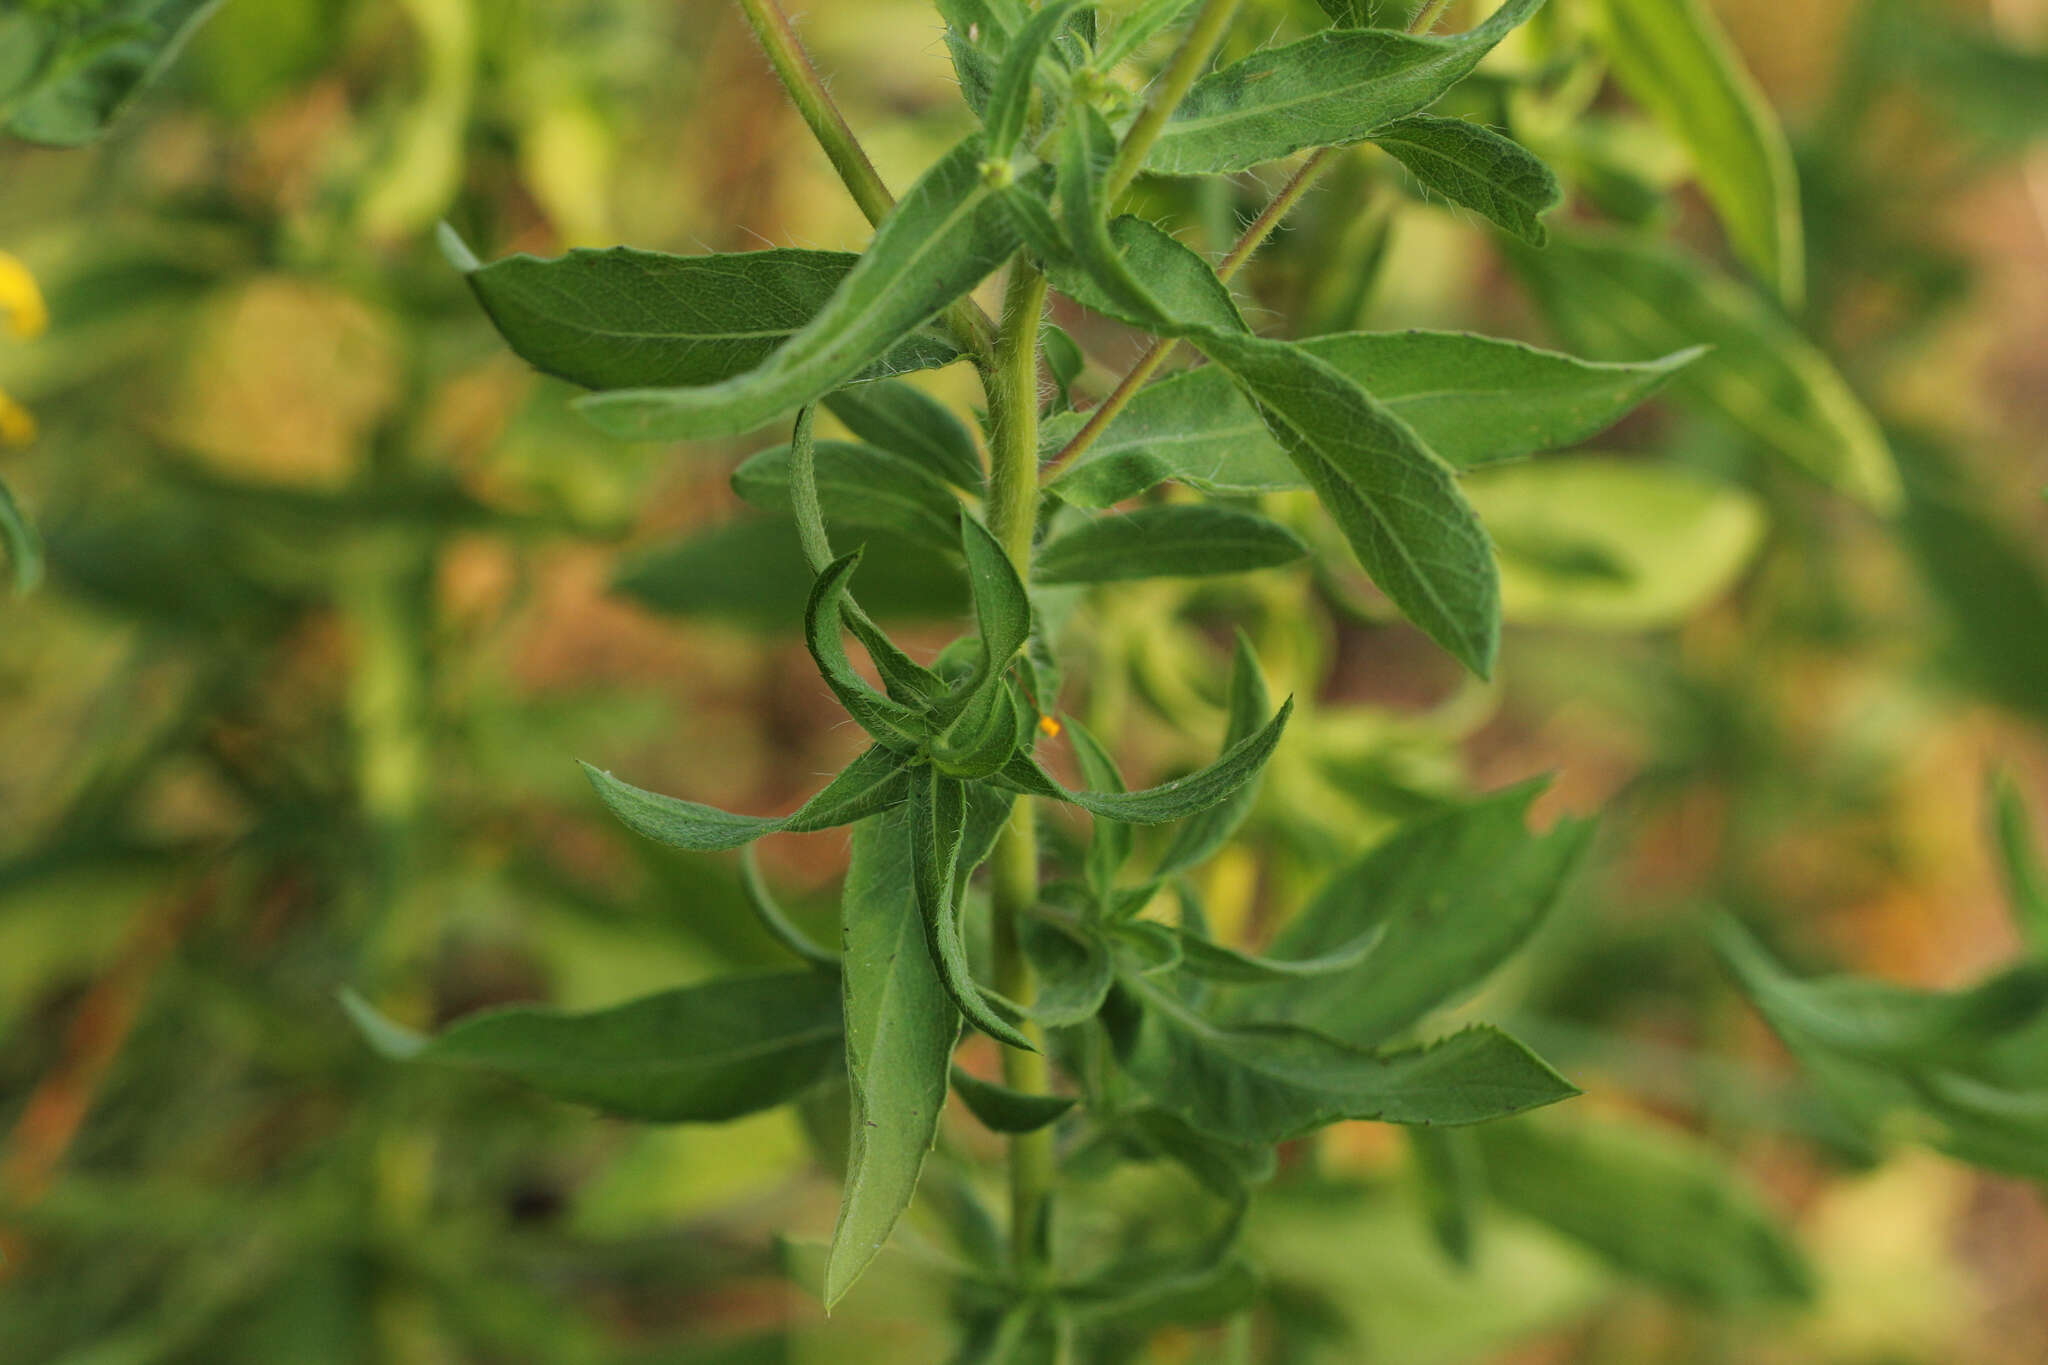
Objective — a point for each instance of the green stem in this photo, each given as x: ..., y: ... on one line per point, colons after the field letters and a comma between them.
x: 1012, y: 386
x: 970, y: 326
x: 1168, y: 91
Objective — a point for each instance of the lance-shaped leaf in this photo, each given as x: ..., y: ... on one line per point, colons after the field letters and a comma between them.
x: 1654, y: 1203
x: 1137, y: 28
x: 1003, y: 1110
x: 1174, y: 540
x: 908, y: 422
x: 948, y: 231
x: 1073, y: 966
x: 1475, y: 168
x: 859, y: 485
x: 2019, y: 858
x: 1199, y: 836
x: 1614, y: 297
x: 1109, y: 842
x: 900, y: 1031
x: 1967, y: 1069
x: 873, y: 782
x: 1396, y: 502
x: 18, y: 538
x: 1260, y: 1083
x: 938, y: 816
x: 1453, y: 1177
x: 1009, y: 100
x: 775, y: 920
x: 1440, y: 906
x: 893, y: 723
x: 977, y: 31
x: 626, y: 319
x: 702, y: 1054
x: 1175, y: 800
x: 1329, y: 89
x: 1673, y: 58
x: 1135, y: 271
x: 1211, y: 961
x: 1002, y: 608
x: 1473, y: 400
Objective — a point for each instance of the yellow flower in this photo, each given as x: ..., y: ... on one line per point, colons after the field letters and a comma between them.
x: 24, y: 314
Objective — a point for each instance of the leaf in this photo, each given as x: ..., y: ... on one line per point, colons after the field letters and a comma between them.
x: 1175, y: 800
x: 775, y: 919
x: 1211, y: 961
x: 751, y: 573
x: 908, y: 422
x: 1614, y: 297
x: 873, y: 782
x: 702, y: 1054
x: 1657, y: 1205
x: 1329, y: 89
x: 92, y: 71
x: 1473, y: 400
x: 1199, y: 836
x: 1002, y: 609
x: 1143, y: 276
x: 1009, y: 101
x: 1397, y: 504
x: 1439, y: 906
x: 1135, y: 29
x: 1224, y: 1168
x: 1453, y: 1185
x: 1965, y: 1070
x: 2019, y: 858
x: 1109, y: 842
x: 859, y: 485
x: 1614, y: 544
x: 1003, y: 1110
x: 893, y: 724
x: 947, y: 232
x: 1475, y: 168
x: 19, y: 539
x: 1672, y: 58
x: 1073, y: 967
x: 1180, y: 540
x: 938, y: 814
x: 626, y: 319
x: 900, y: 1030
x: 1270, y: 1082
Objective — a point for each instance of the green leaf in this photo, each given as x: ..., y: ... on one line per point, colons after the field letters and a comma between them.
x: 1614, y: 297
x: 1329, y: 89
x: 95, y: 63
x: 1224, y: 1168
x: 1453, y: 1184
x: 892, y: 723
x: 1614, y: 544
x: 1009, y: 101
x: 1073, y: 966
x: 1002, y: 609
x: 1199, y: 836
x: 1673, y: 58
x: 859, y: 485
x: 19, y: 539
x: 911, y: 423
x: 900, y: 1031
x: 1003, y: 1110
x: 1143, y: 276
x: 1657, y: 1205
x: 626, y: 319
x: 775, y: 919
x: 1178, y: 540
x: 1965, y: 1070
x: 2019, y: 858
x: 873, y: 782
x: 1175, y: 800
x: 702, y: 1054
x: 1439, y: 907
x: 938, y: 815
x: 1473, y: 400
x: 1109, y: 842
x: 948, y: 231
x: 1475, y: 168
x: 1064, y: 361
x: 751, y: 573
x: 1269, y: 1082
x: 1211, y: 961
x: 1396, y: 502
x: 1135, y: 29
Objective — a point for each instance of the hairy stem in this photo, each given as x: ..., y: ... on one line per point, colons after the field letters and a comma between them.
x: 1168, y: 91
x: 1250, y: 241
x: 970, y: 326
x: 1012, y: 516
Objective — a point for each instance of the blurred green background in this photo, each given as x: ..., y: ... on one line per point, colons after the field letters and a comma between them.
x: 338, y: 589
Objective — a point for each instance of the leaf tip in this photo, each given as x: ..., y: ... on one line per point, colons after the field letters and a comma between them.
x: 388, y: 1039
x: 454, y: 250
